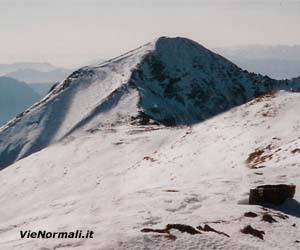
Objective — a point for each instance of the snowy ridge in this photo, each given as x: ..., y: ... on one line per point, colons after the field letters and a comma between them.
x: 173, y: 81
x: 70, y: 102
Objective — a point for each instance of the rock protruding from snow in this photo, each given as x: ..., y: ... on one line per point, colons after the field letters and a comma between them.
x: 271, y: 194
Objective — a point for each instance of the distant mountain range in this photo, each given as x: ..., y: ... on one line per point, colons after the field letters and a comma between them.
x: 9, y: 68
x: 15, y: 97
x: 41, y: 88
x: 40, y: 76
x: 279, y: 62
x: 35, y: 76
x: 22, y: 84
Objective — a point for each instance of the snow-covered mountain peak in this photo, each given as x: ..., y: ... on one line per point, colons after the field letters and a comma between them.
x: 171, y: 81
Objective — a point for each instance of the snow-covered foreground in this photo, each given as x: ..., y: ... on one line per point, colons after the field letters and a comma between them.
x: 119, y: 180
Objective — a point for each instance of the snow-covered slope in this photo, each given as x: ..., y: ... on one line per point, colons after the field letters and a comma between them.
x: 15, y: 97
x: 70, y: 102
x: 119, y: 180
x: 173, y: 81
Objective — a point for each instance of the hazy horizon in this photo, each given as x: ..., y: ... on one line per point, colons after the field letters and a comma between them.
x: 68, y: 33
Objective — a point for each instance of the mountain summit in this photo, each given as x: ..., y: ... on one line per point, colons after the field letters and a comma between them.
x: 171, y: 81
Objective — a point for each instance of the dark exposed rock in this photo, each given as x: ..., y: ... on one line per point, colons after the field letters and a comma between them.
x: 142, y: 119
x: 250, y: 230
x: 171, y: 191
x: 53, y: 87
x: 258, y: 173
x: 150, y: 230
x: 253, y: 156
x: 276, y: 214
x: 250, y: 214
x: 171, y: 122
x: 258, y: 167
x: 207, y: 228
x: 296, y: 150
x: 182, y: 228
x: 148, y: 158
x: 271, y: 194
x: 268, y: 218
x: 281, y: 216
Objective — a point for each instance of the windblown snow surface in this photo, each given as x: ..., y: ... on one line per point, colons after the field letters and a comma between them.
x: 91, y: 165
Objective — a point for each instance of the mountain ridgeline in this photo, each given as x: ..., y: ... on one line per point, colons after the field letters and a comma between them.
x: 172, y: 81
x: 182, y: 83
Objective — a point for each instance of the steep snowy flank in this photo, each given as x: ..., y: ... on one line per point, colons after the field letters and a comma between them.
x: 172, y: 81
x: 68, y: 104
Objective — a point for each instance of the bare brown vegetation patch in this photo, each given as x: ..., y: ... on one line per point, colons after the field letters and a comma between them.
x: 264, y: 97
x: 208, y: 228
x: 252, y: 231
x: 296, y: 150
x: 268, y: 218
x: 180, y: 227
x: 258, y: 157
x: 148, y: 158
x: 171, y: 191
x: 261, y: 155
x: 250, y: 214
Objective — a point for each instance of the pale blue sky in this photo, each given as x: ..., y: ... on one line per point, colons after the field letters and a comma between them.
x: 69, y: 32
